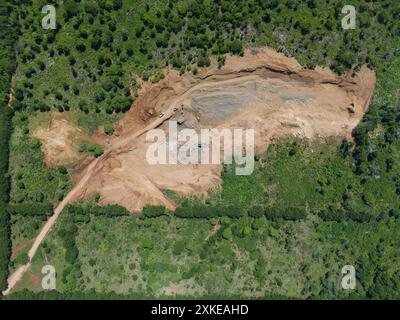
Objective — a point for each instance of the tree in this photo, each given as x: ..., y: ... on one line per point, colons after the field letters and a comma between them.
x: 62, y: 170
x: 99, y: 97
x: 30, y: 209
x: 204, y: 61
x: 227, y: 233
x: 289, y: 213
x: 150, y: 211
x: 108, y: 129
x: 235, y: 47
x: 83, y: 106
x: 246, y: 231
x: 81, y: 47
x: 256, y: 211
x: 96, y: 43
x: 179, y: 247
x: 71, y: 9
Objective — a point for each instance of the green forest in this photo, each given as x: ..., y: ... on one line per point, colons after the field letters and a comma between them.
x: 285, y: 231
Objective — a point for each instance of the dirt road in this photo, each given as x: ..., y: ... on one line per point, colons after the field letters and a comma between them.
x: 282, y: 98
x: 18, y: 274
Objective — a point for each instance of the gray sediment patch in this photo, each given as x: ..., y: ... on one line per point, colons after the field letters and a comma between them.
x: 222, y: 103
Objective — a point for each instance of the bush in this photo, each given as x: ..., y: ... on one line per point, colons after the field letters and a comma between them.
x: 145, y: 75
x: 204, y: 61
x: 62, y: 170
x: 207, y: 212
x: 83, y: 106
x: 88, y: 209
x: 290, y: 213
x: 92, y: 148
x: 108, y: 129
x: 150, y: 211
x: 179, y: 247
x: 331, y: 214
x: 121, y: 104
x: 359, y: 215
x: 31, y: 209
x: 227, y: 234
x: 96, y: 150
x: 256, y: 211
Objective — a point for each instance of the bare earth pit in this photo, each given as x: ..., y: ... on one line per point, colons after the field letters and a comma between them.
x: 57, y: 142
x: 263, y: 90
x: 60, y: 141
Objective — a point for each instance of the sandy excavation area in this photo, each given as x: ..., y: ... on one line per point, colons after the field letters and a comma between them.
x: 264, y: 90
x: 60, y: 141
x: 57, y: 142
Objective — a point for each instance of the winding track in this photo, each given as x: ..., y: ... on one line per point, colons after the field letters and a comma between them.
x: 89, y: 171
x: 18, y: 274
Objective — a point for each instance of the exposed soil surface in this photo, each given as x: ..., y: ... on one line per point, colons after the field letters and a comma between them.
x: 20, y: 247
x: 263, y: 90
x: 59, y: 142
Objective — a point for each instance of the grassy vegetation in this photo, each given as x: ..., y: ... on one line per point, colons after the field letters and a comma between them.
x: 32, y: 180
x: 97, y: 48
x: 315, y: 176
x: 91, y: 148
x: 24, y: 229
x: 200, y: 257
x: 158, y: 254
x: 350, y: 193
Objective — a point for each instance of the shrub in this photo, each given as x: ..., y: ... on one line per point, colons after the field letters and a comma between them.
x: 108, y: 129
x: 290, y: 213
x: 179, y: 247
x: 31, y: 209
x: 87, y: 209
x: 83, y: 106
x: 150, y: 211
x: 204, y: 61
x: 256, y: 211
x: 95, y: 149
x: 227, y: 233
x: 62, y: 170
x: 207, y: 212
x: 122, y: 104
x: 145, y: 75
x: 331, y: 214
